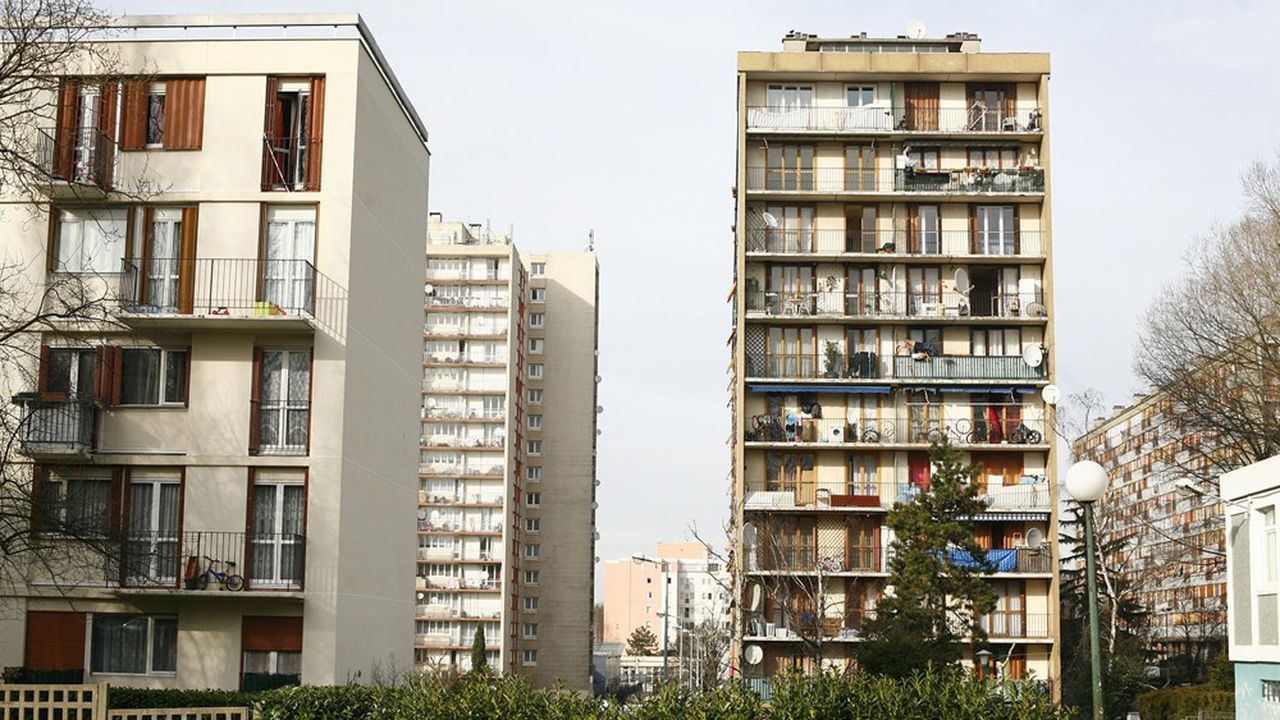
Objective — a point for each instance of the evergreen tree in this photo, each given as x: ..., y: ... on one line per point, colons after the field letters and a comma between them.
x: 479, y: 659
x: 642, y: 642
x: 938, y: 592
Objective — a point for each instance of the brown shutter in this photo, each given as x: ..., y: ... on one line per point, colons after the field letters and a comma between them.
x: 187, y: 260
x: 248, y: 514
x: 144, y: 262
x: 973, y: 229
x: 270, y: 128
x: 315, y: 132
x: 133, y: 115
x: 183, y: 113
x: 913, y: 229
x: 107, y: 375
x: 1017, y: 230
x: 282, y: 634
x: 921, y: 105
x: 1010, y: 109
x: 311, y: 383
x: 105, y: 144
x: 117, y: 502
x: 39, y: 475
x: 42, y: 377
x: 54, y: 641
x: 65, y: 132
x: 255, y: 402
x: 260, y: 280
x: 51, y: 244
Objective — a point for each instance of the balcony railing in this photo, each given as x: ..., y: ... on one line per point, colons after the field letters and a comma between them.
x: 458, y: 526
x: 161, y: 559
x: 426, y: 498
x: 468, y: 301
x: 866, y: 365
x: 52, y: 429
x: 286, y: 162
x: 459, y: 441
x: 827, y: 557
x: 451, y: 414
x: 974, y: 119
x: 86, y: 156
x: 776, y: 495
x: 1006, y: 560
x: 1008, y: 624
x: 455, y: 583
x: 810, y: 365
x: 966, y: 367
x: 462, y: 469
x: 806, y: 624
x: 977, y: 429
x: 1028, y: 304
x: 954, y: 181
x: 891, y: 243
x: 456, y: 358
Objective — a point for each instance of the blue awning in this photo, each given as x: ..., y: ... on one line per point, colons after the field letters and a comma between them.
x: 829, y: 389
x: 977, y: 389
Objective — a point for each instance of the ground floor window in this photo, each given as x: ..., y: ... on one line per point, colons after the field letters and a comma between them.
x: 133, y: 644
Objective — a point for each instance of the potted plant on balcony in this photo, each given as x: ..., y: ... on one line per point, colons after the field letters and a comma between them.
x: 831, y: 359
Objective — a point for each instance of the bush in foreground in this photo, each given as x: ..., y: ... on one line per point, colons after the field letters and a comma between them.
x: 1178, y: 703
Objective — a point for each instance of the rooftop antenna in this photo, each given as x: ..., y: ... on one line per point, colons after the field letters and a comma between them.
x: 916, y: 30
x: 591, y: 240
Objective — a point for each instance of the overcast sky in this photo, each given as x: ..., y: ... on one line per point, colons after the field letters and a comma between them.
x: 559, y: 117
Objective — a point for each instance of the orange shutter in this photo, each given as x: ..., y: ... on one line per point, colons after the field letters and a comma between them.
x: 255, y: 402
x: 270, y: 130
x: 183, y: 113
x: 133, y: 115
x: 54, y: 641
x: 973, y: 229
x: 283, y: 634
x: 315, y: 132
x: 65, y: 132
x: 187, y: 260
x: 42, y: 380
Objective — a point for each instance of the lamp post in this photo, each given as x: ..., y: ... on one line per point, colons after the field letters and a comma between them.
x: 1086, y: 483
x: 666, y: 607
x: 982, y: 661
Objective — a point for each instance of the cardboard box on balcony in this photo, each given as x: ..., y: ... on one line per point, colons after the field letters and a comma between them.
x: 855, y: 501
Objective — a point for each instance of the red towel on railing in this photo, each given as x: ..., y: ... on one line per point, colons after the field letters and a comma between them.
x: 996, y: 432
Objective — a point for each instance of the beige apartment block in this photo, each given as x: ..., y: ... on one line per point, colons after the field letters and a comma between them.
x: 684, y: 587
x: 255, y: 210
x: 506, y: 506
x: 892, y: 287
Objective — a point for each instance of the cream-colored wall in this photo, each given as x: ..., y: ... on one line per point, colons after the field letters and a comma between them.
x: 627, y: 588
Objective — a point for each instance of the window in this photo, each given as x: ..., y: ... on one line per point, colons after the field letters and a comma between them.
x: 535, y: 447
x: 859, y: 95
x: 535, y: 370
x: 535, y: 345
x: 152, y: 376
x: 533, y: 473
x: 155, y: 116
x: 995, y: 227
x: 925, y: 158
x: 534, y: 396
x: 789, y: 97
x: 995, y: 342
x: 530, y: 577
x: 280, y: 665
x: 284, y: 401
x: 69, y: 373
x: 530, y: 604
x: 133, y: 645
x: 529, y: 657
x: 532, y: 551
x: 154, y: 497
x: 531, y: 630
x: 291, y: 134
x: 538, y: 269
x: 538, y: 294
x: 789, y: 167
x: 532, y: 525
x: 288, y: 269
x: 1271, y: 691
x: 993, y: 157
x: 77, y: 501
x: 1269, y: 542
x: 535, y: 422
x: 533, y: 499
x: 537, y: 319
x: 277, y: 507
x: 90, y: 240
x: 926, y: 235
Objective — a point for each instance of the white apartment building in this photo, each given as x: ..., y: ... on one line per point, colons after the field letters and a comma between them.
x: 254, y: 210
x: 683, y: 586
x: 506, y: 507
x: 1251, y: 501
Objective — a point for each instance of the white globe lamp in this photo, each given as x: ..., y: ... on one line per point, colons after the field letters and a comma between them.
x: 1087, y: 481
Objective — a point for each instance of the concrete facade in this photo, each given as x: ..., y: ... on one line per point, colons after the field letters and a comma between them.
x: 1251, y: 498
x: 686, y: 580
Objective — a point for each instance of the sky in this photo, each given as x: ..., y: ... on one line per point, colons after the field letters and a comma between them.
x: 558, y: 118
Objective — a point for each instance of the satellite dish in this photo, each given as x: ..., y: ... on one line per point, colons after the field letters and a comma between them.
x: 1050, y: 394
x: 749, y: 535
x: 769, y: 220
x: 1033, y: 356
x: 757, y: 597
x: 962, y: 281
x: 916, y: 30
x: 753, y: 654
x: 1035, y: 538
x: 599, y: 409
x: 422, y: 514
x: 429, y: 288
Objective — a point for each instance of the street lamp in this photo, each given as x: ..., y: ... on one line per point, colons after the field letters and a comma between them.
x: 1087, y: 482
x: 982, y: 659
x: 666, y: 606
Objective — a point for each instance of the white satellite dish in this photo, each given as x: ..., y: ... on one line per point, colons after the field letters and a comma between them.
x: 429, y: 289
x: 1050, y: 394
x: 916, y: 29
x: 753, y: 654
x: 1035, y: 538
x: 1033, y: 356
x: 422, y: 514
x: 757, y: 597
x: 769, y: 220
x: 749, y: 535
x: 962, y: 281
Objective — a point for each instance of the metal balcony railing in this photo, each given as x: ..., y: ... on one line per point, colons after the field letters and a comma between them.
x: 85, y: 156
x: 966, y: 367
x: 826, y: 557
x: 468, y: 301
x: 1006, y: 560
x: 232, y: 287
x: 973, y: 119
x: 784, y: 495
x: 953, y: 181
x: 56, y: 428
x: 977, y: 429
x: 286, y: 162
x: 811, y: 365
x: 866, y: 365
x: 894, y: 243
x: 1011, y: 624
x: 168, y: 559
x: 1021, y: 304
x: 807, y: 625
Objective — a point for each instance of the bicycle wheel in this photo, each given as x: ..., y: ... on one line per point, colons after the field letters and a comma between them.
x: 202, y: 582
x: 871, y: 435
x: 234, y: 583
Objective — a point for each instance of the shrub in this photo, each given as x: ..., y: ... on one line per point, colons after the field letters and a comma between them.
x: 1177, y: 703
x: 127, y: 698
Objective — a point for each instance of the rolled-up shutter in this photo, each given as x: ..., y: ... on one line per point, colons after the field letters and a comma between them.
x: 264, y: 634
x: 54, y: 641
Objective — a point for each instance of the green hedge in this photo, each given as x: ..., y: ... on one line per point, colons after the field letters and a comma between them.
x: 127, y: 698
x: 1178, y: 703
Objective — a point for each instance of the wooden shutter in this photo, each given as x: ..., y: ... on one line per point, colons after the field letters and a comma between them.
x: 1017, y: 230
x: 42, y: 378
x: 54, y: 641
x: 187, y: 260
x: 248, y: 506
x: 145, y: 258
x: 183, y: 113
x: 255, y: 403
x: 913, y: 229
x: 282, y: 634
x: 39, y: 477
x: 921, y: 105
x: 117, y: 505
x: 107, y: 374
x: 65, y: 132
x: 51, y: 242
x: 270, y: 129
x: 973, y: 229
x: 133, y: 115
x: 315, y: 132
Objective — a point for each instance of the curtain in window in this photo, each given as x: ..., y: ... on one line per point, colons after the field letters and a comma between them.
x: 140, y: 377
x: 164, y: 645
x: 119, y: 644
x: 88, y: 504
x: 271, y: 394
x: 91, y: 241
x: 162, y: 270
x: 298, y: 412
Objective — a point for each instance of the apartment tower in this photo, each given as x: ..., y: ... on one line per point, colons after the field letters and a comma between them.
x: 892, y: 289
x: 682, y: 588
x: 240, y: 428
x: 506, y: 505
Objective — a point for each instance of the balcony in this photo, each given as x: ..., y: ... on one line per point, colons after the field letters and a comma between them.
x: 825, y: 558
x: 460, y: 499
x: 459, y: 442
x: 966, y: 367
x: 228, y: 294
x: 1031, y: 495
x: 866, y: 366
x: 896, y: 245
x: 287, y: 163
x: 1006, y: 429
x: 180, y: 562
x: 467, y: 302
x: 53, y: 430
x: 895, y: 120
x: 980, y: 181
x: 848, y: 626
x: 1012, y: 560
x: 449, y: 359
x: 483, y: 416
x: 459, y: 527
x: 474, y: 332
x: 82, y: 166
x: 1015, y: 625
x: 462, y: 470
x: 898, y: 305
x: 460, y: 584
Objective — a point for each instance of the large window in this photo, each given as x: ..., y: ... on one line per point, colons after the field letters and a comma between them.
x: 133, y: 645
x: 69, y: 373
x: 1269, y: 542
x: 995, y: 227
x: 284, y: 401
x: 277, y: 544
x: 995, y: 342
x: 90, y: 240
x: 926, y: 230
x: 153, y: 376
x: 76, y: 501
x: 789, y: 167
x: 789, y: 97
x: 154, y: 497
x: 288, y: 265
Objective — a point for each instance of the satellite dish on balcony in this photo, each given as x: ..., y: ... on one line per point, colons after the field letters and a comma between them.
x: 916, y: 30
x: 422, y: 514
x: 1050, y: 394
x: 757, y: 598
x: 749, y: 535
x: 1035, y: 538
x: 769, y: 220
x: 1033, y: 356
x: 753, y: 654
x: 962, y: 281
x: 429, y: 289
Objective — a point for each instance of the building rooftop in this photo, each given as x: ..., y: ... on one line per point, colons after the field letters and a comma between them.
x: 957, y: 42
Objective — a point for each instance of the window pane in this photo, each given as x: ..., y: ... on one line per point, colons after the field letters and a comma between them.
x: 175, y: 376
x: 59, y: 371
x: 119, y: 644
x: 88, y: 501
x: 257, y: 661
x: 155, y: 118
x: 164, y: 645
x: 272, y: 365
x: 140, y: 377
x: 299, y: 377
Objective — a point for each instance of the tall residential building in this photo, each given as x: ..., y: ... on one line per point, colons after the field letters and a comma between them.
x: 682, y: 587
x: 506, y: 505
x: 892, y: 287
x: 248, y: 409
x: 1174, y: 563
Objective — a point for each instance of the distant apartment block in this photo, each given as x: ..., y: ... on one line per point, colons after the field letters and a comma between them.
x: 684, y: 589
x: 892, y: 288
x: 506, y: 503
x: 253, y: 210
